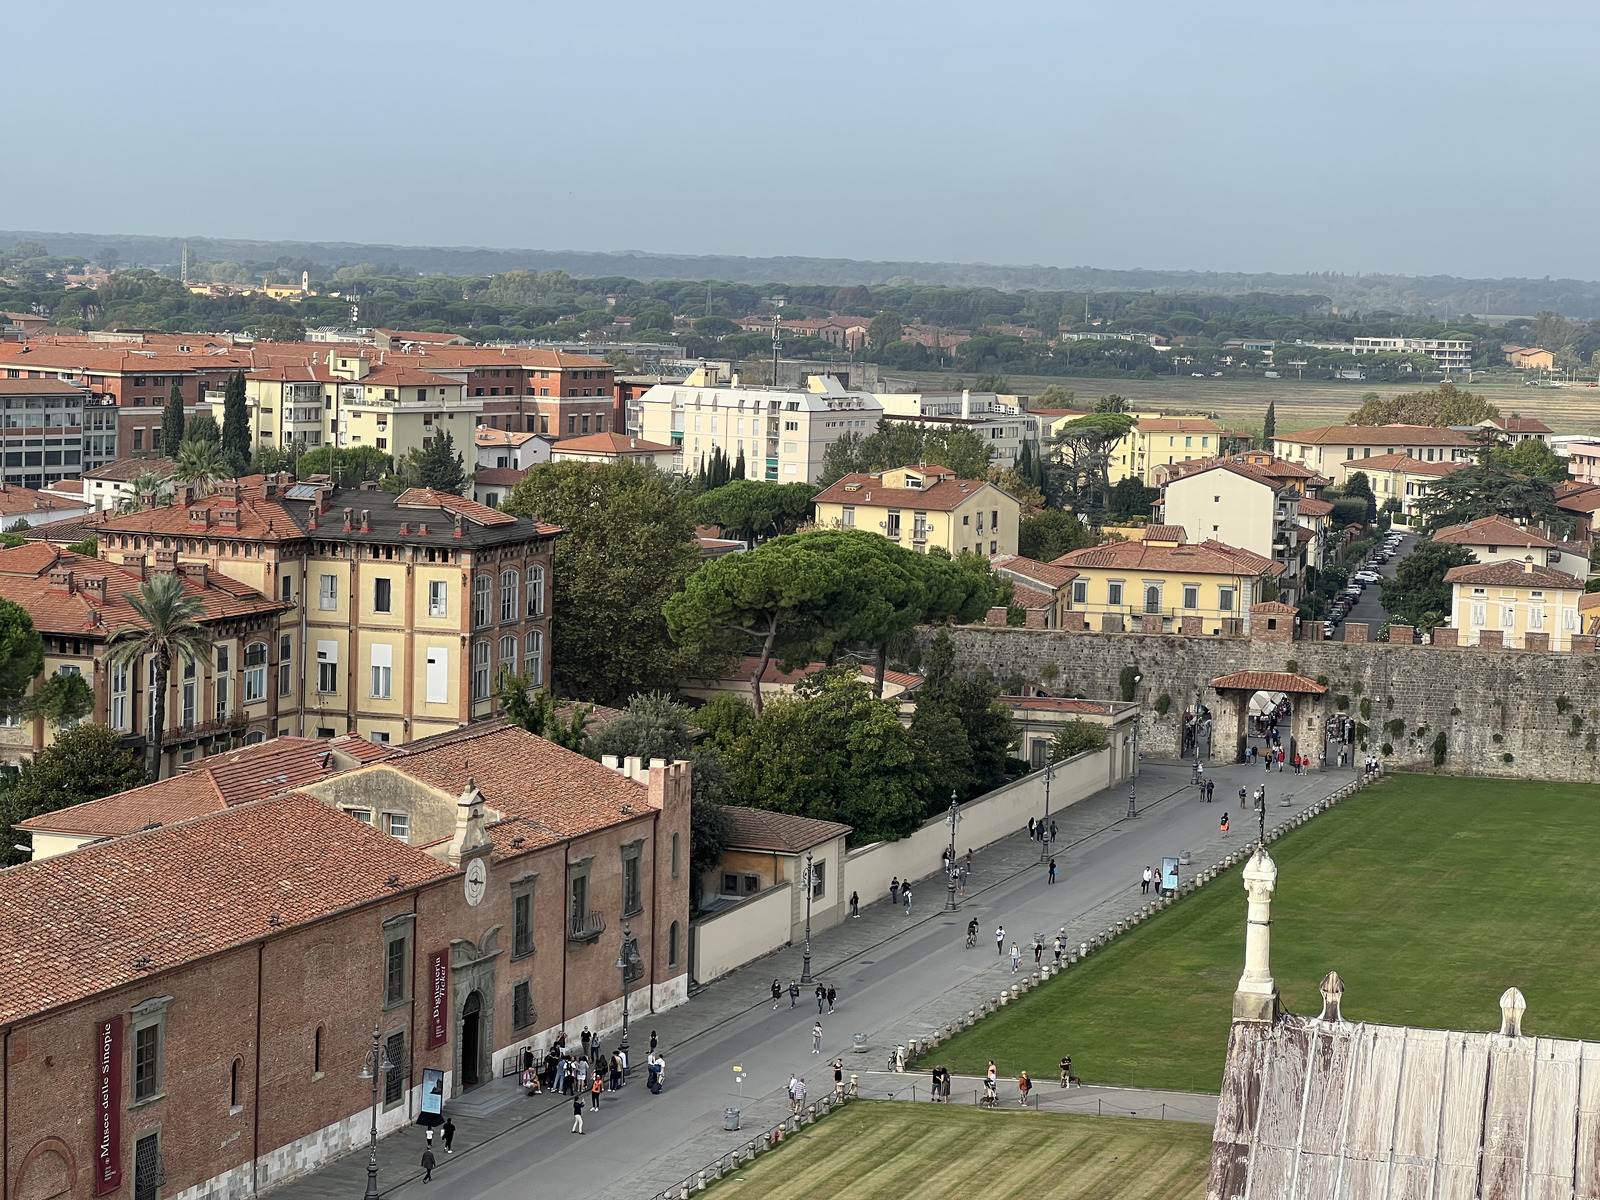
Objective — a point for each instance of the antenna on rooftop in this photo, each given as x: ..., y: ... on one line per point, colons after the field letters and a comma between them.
x: 777, y: 340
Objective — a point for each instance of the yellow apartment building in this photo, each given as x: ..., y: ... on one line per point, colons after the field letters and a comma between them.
x: 1195, y: 588
x: 924, y: 506
x: 1161, y: 441
x: 1522, y: 604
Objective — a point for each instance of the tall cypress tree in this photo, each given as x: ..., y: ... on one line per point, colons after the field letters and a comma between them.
x: 1270, y: 425
x: 738, y: 466
x: 235, y: 425
x: 172, y: 423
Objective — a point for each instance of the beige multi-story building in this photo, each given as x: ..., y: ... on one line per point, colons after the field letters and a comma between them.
x: 1240, y: 503
x: 781, y: 433
x: 1162, y: 441
x: 1511, y: 603
x: 1325, y: 448
x: 398, y: 613
x: 1003, y: 423
x: 1500, y: 539
x: 924, y: 506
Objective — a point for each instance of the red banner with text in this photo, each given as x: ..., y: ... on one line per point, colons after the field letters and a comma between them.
x: 108, y: 1107
x: 438, y: 998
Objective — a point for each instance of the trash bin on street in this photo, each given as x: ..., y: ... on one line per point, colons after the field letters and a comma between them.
x: 730, y: 1118
x: 858, y: 1043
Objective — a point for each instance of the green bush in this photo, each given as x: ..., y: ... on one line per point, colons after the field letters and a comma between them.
x: 1386, y: 749
x: 1128, y: 680
x: 1163, y: 703
x: 1397, y: 728
x: 1366, y: 708
x: 1439, y: 749
x: 1342, y: 702
x: 1508, y: 757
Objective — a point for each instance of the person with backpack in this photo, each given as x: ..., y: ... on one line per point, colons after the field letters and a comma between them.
x: 777, y: 994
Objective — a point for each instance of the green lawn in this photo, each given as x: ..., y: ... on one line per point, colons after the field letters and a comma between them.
x: 888, y: 1150
x: 1430, y: 895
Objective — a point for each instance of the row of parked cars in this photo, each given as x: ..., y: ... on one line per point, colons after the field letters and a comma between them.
x: 1351, y: 595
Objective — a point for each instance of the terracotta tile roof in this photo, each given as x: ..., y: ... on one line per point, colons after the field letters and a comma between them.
x: 1178, y: 425
x: 180, y: 798
x: 1580, y: 502
x: 1269, y: 681
x: 1165, y: 533
x: 1372, y: 435
x: 1403, y: 462
x: 1031, y: 569
x: 1514, y: 574
x: 608, y: 443
x: 267, y: 769
x: 256, y: 519
x: 110, y: 914
x: 1071, y: 704
x: 1028, y: 598
x: 124, y: 470
x: 359, y: 748
x: 1520, y: 424
x: 1206, y: 558
x: 498, y: 476
x: 17, y: 500
x: 1492, y: 531
x: 759, y: 829
x: 1310, y: 506
x: 479, y: 514
x: 486, y: 436
x: 1274, y: 608
x: 39, y: 387
x: 104, y: 360
x: 526, y: 777
x: 514, y: 356
x: 863, y: 489
x: 25, y: 579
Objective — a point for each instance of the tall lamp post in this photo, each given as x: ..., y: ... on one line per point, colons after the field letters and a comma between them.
x: 952, y: 820
x: 1049, y: 774
x: 1133, y: 776
x: 626, y: 958
x: 805, y: 963
x: 375, y: 1066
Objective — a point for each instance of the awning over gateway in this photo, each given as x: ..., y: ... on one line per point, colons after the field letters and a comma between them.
x: 1269, y: 681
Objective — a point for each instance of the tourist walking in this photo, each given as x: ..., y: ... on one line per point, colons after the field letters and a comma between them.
x: 449, y: 1132
x: 838, y: 1077
x: 1224, y: 824
x: 1058, y: 949
x: 656, y: 1068
x: 1000, y: 940
x: 816, y: 1037
x: 653, y: 1042
x: 794, y: 1083
x: 594, y: 1092
x: 905, y: 894
x: 822, y: 994
x: 1038, y: 952
x: 832, y: 996
x: 794, y: 994
x: 1016, y: 958
x: 1144, y: 885
x: 1030, y: 829
x: 777, y: 994
x: 1052, y: 878
x: 855, y: 905
x: 1024, y: 1086
x: 894, y: 890
x: 577, y: 1114
x: 427, y: 1163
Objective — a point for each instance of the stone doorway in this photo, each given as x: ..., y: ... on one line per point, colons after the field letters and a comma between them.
x: 1252, y: 705
x: 471, y: 1040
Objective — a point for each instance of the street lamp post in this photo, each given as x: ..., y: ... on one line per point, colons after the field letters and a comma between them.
x: 626, y: 957
x: 1133, y: 776
x: 1044, y: 842
x: 805, y: 963
x: 953, y: 819
x: 374, y: 1067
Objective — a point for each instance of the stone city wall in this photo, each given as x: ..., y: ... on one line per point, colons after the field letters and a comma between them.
x: 1510, y: 713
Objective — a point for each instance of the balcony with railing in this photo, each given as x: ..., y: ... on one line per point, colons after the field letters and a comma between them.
x: 586, y: 926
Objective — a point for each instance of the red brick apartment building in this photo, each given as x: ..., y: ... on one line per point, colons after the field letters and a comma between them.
x: 534, y: 391
x: 189, y: 1007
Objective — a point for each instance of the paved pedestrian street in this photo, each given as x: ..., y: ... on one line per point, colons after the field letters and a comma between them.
x: 898, y: 977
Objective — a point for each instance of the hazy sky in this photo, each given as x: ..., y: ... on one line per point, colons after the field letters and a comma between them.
x: 1413, y: 137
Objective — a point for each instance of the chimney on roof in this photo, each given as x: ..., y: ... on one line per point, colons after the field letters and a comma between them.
x: 1527, y: 565
x: 311, y: 516
x: 405, y: 528
x: 198, y: 572
x: 94, y: 587
x: 366, y: 520
x: 166, y: 562
x: 228, y: 518
x: 422, y: 529
x: 348, y: 513
x: 61, y: 581
x: 199, y: 515
x: 134, y: 563
x: 269, y: 489
x: 459, y: 531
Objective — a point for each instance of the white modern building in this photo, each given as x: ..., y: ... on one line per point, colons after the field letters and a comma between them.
x: 781, y: 432
x: 999, y: 420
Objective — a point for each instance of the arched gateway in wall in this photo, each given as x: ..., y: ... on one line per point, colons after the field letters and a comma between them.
x: 1263, y: 694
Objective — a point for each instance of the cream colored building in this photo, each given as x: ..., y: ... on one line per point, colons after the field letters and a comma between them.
x: 1326, y: 448
x: 782, y: 433
x: 924, y: 506
x: 1513, y: 602
x: 1239, y: 503
x: 614, y: 447
x: 1001, y: 421
x: 1401, y: 476
x: 1161, y: 441
x: 1500, y: 539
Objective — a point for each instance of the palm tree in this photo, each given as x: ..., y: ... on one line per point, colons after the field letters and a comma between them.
x: 169, y: 628
x: 145, y: 484
x: 202, y: 464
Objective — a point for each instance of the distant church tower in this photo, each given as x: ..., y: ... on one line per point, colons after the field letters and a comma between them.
x: 184, y: 263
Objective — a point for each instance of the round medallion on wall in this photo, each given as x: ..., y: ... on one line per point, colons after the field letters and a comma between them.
x: 477, y: 881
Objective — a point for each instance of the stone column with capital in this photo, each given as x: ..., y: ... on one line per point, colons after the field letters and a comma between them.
x: 1256, y: 997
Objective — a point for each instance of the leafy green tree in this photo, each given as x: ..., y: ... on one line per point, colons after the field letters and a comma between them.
x: 725, y: 717
x: 1080, y: 459
x: 203, y: 428
x: 652, y: 726
x: 842, y: 457
x: 1048, y: 535
x: 628, y: 549
x: 1055, y: 397
x: 172, y: 422
x: 235, y: 424
x: 346, y: 465
x: 167, y: 628
x: 530, y: 706
x: 885, y: 329
x: 963, y: 734
x: 1442, y: 406
x: 84, y: 763
x: 439, y: 466
x: 1529, y: 457
x: 775, y: 597
x: 1111, y: 404
x: 277, y: 328
x: 63, y: 699
x: 750, y: 508
x: 21, y: 656
x: 903, y: 443
x: 709, y: 823
x: 833, y: 753
x: 715, y: 471
x: 1076, y: 737
x: 1418, y: 593
x: 1030, y: 466
x: 89, y: 547
x: 1130, y: 498
x: 1485, y: 491
x: 146, y: 487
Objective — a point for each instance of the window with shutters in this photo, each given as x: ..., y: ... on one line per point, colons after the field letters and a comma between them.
x: 285, y: 664
x: 255, y: 672
x: 508, y: 595
x: 119, y: 697
x: 522, y: 916
x: 522, y: 1004
x: 394, y: 1080
x: 382, y: 671
x: 190, y: 689
x: 533, y: 658
x: 632, y: 885
x: 396, y: 965
x: 482, y: 595
x: 480, y: 671
x: 438, y: 681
